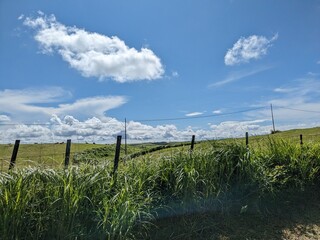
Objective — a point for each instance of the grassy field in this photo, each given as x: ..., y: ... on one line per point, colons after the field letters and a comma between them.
x: 223, y: 190
x: 52, y: 154
x: 40, y: 155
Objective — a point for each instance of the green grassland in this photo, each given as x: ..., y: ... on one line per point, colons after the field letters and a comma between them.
x: 40, y: 155
x: 53, y: 155
x: 222, y: 190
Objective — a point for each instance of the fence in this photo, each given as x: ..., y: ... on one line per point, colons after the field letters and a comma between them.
x: 40, y: 154
x: 54, y: 155
x: 67, y: 155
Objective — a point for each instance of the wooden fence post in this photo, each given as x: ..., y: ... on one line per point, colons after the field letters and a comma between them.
x: 68, y: 148
x: 14, y: 154
x: 192, y: 143
x: 301, y: 142
x: 117, y: 154
x: 247, y: 139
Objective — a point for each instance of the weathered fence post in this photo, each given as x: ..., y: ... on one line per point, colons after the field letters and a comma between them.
x: 301, y: 142
x: 67, y: 158
x: 14, y: 154
x: 192, y: 143
x: 247, y: 139
x: 117, y: 154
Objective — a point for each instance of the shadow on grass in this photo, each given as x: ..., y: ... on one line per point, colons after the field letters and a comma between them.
x: 291, y: 216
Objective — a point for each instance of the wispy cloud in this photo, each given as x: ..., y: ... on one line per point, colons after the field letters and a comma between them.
x: 4, y: 118
x: 37, y: 104
x: 192, y: 114
x: 303, y: 90
x: 235, y: 76
x: 297, y: 102
x: 21, y: 17
x: 246, y: 49
x: 175, y: 74
x: 94, y: 54
x: 285, y: 90
x: 217, y: 111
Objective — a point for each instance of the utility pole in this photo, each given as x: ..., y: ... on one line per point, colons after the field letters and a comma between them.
x: 274, y: 129
x: 125, y: 136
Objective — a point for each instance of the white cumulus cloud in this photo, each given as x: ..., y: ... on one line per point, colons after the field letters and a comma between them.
x: 246, y: 49
x: 94, y: 54
x: 229, y: 129
x: 105, y: 130
x: 94, y: 129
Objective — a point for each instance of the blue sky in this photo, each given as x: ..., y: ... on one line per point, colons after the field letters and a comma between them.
x: 84, y: 66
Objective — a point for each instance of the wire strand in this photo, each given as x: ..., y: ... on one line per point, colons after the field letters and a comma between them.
x: 170, y: 119
x: 197, y: 117
x: 300, y: 110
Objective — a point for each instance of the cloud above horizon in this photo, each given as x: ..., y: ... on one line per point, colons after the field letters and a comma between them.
x: 238, y: 128
x: 295, y: 102
x: 246, y: 49
x: 35, y: 104
x: 94, y: 54
x: 105, y: 130
x: 85, y: 119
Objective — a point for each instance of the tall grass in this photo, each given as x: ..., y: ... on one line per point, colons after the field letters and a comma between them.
x: 84, y: 202
x: 88, y: 202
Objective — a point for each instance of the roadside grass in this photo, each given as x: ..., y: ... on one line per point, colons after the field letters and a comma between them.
x: 147, y: 194
x: 85, y: 202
